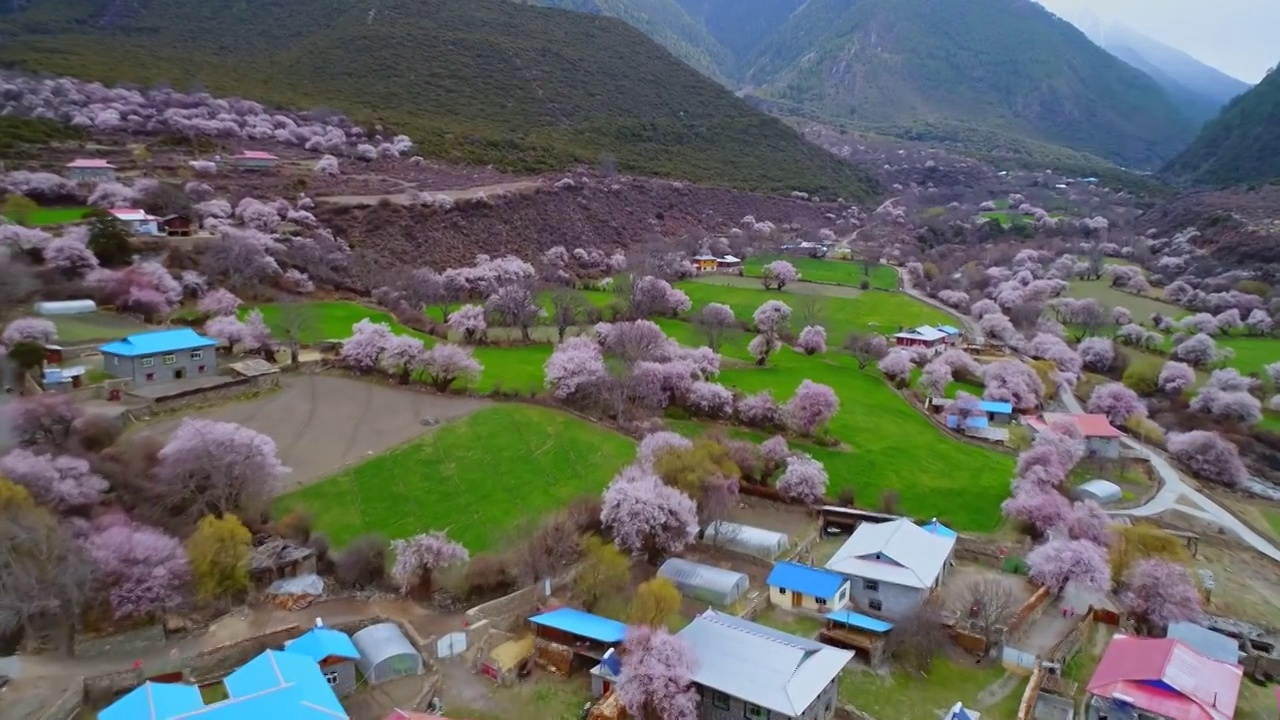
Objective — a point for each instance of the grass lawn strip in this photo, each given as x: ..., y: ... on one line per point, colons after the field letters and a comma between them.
x: 480, y: 478
x: 903, y: 695
x: 840, y: 272
x: 53, y: 216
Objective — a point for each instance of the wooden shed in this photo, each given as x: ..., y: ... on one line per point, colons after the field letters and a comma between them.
x: 178, y: 225
x: 277, y: 558
x: 567, y: 639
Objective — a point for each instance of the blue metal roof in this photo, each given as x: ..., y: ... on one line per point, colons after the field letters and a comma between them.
x: 156, y: 343
x: 993, y: 406
x: 154, y: 701
x: 804, y: 579
x: 577, y: 622
x: 974, y: 422
x: 959, y: 713
x: 273, y: 685
x: 937, y: 528
x: 860, y: 621
x: 949, y: 329
x: 321, y: 642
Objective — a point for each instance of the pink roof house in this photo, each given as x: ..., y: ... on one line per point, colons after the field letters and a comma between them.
x: 90, y: 170
x: 254, y: 160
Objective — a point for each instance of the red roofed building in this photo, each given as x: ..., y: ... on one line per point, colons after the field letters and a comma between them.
x: 90, y: 170
x: 1100, y: 437
x: 1161, y: 678
x: 254, y: 160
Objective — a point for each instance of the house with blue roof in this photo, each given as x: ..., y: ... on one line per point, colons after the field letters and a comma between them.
x: 273, y: 685
x: 160, y: 357
x: 568, y: 639
x: 333, y: 651
x: 793, y: 586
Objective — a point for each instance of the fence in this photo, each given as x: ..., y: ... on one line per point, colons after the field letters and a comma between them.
x: 1018, y: 661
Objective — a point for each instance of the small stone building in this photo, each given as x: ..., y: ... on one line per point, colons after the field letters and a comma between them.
x: 277, y: 558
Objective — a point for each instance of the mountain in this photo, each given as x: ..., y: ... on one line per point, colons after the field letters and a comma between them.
x: 1005, y: 65
x: 1240, y: 145
x: 481, y: 81
x: 1201, y: 90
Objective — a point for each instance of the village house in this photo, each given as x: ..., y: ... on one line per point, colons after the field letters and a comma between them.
x: 1161, y: 679
x: 705, y: 263
x: 799, y: 587
x: 276, y: 684
x: 729, y: 264
x: 333, y: 651
x: 254, y: 160
x: 929, y: 338
x: 90, y: 170
x: 177, y: 225
x: 1100, y: 437
x: 746, y: 670
x: 894, y: 566
x: 161, y: 356
x: 139, y: 222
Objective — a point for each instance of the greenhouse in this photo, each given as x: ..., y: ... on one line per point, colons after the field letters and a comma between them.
x: 706, y: 583
x: 385, y: 653
x: 746, y: 539
x: 1100, y: 491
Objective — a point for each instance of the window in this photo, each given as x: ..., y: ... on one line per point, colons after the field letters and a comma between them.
x: 170, y: 359
x: 871, y: 586
x: 782, y: 591
x: 148, y: 362
x: 151, y: 377
x: 720, y: 700
x: 820, y: 601
x: 753, y: 711
x: 332, y: 677
x: 197, y: 354
x: 876, y: 605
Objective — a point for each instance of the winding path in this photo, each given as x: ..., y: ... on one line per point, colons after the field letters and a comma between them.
x: 1174, y: 495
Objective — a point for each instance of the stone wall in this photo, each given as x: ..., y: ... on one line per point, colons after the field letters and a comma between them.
x: 518, y: 605
x: 135, y: 642
x: 1028, y: 614
x: 234, y: 389
x: 988, y: 552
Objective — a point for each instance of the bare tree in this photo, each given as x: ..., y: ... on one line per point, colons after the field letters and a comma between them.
x: 566, y: 310
x: 296, y: 322
x: 17, y: 280
x: 986, y: 606
x: 43, y: 574
x: 808, y: 309
x: 916, y: 638
x: 866, y: 348
x: 545, y: 553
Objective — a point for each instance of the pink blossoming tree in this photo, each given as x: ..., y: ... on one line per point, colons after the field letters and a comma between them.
x: 657, y: 671
x: 1158, y: 593
x: 445, y: 364
x: 143, y: 571
x: 811, y: 408
x: 1058, y: 563
x: 64, y: 483
x: 647, y: 516
x: 1208, y: 455
x: 804, y: 480
x: 1117, y: 402
x: 418, y: 557
x: 213, y: 468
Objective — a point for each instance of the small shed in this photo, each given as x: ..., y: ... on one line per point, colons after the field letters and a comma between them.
x: 277, y: 558
x: 794, y: 586
x: 706, y: 583
x: 63, y: 379
x: 855, y: 631
x: 65, y: 307
x: 746, y: 539
x: 1100, y: 491
x: 505, y: 661
x: 568, y: 639
x: 178, y: 225
x: 605, y: 675
x: 333, y: 651
x: 386, y: 654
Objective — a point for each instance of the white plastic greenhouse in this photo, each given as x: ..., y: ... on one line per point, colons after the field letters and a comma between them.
x: 746, y: 539
x: 706, y: 583
x: 385, y: 653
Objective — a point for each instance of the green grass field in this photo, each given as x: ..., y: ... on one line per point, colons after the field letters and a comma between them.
x: 1142, y: 306
x: 478, y: 478
x: 52, y: 216
x: 96, y: 326
x: 840, y: 272
x: 887, y: 443
x: 327, y: 320
x: 903, y: 695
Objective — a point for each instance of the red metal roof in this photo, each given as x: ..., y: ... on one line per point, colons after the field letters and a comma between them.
x: 1091, y: 426
x: 1165, y: 677
x: 90, y: 163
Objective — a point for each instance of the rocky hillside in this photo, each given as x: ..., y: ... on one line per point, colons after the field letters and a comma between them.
x: 1241, y: 145
x: 483, y: 81
x: 1238, y: 227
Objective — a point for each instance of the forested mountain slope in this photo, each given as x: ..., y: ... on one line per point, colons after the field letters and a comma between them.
x: 1240, y: 145
x: 482, y: 81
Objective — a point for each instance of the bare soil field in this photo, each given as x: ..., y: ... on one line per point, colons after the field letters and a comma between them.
x: 322, y: 424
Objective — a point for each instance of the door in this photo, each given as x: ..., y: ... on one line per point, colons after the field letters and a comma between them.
x: 796, y: 599
x: 451, y: 644
x: 179, y: 373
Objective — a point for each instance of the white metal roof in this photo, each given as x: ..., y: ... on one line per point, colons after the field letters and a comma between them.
x: 696, y: 574
x: 746, y: 538
x: 132, y: 215
x: 898, y: 552
x: 379, y: 642
x: 760, y: 665
x: 924, y: 332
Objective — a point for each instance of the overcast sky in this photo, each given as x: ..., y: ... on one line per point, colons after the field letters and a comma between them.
x: 1239, y: 37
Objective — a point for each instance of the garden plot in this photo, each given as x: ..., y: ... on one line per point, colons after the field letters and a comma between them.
x: 322, y: 424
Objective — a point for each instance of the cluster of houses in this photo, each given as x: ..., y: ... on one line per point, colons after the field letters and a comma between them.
x: 304, y: 679
x: 706, y: 263
x: 933, y: 338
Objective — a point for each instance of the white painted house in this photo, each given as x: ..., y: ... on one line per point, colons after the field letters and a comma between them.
x: 893, y: 567
x: 139, y: 222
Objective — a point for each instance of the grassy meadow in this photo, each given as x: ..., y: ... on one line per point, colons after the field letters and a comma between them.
x: 43, y: 216
x: 477, y: 478
x: 471, y: 469
x: 837, y: 272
